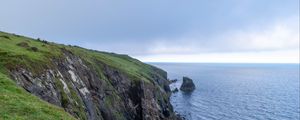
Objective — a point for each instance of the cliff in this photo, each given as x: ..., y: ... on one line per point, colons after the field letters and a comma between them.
x: 87, y: 84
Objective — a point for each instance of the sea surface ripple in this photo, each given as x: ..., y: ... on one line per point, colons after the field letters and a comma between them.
x: 236, y: 91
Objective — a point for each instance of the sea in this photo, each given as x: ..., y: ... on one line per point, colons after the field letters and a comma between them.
x: 236, y: 91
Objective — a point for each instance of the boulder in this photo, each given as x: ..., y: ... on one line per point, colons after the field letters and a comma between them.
x: 34, y: 49
x: 173, y: 81
x: 175, y: 90
x: 187, y: 85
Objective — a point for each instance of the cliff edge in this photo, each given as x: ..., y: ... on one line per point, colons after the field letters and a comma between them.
x: 88, y: 84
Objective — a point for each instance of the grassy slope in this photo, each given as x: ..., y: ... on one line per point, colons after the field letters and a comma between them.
x: 17, y: 104
x: 13, y: 56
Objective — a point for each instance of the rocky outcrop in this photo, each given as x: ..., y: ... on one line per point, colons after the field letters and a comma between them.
x: 175, y: 90
x: 88, y: 84
x: 173, y: 81
x: 187, y: 85
x: 98, y: 93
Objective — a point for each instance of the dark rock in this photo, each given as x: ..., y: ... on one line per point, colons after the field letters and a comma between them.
x: 34, y: 49
x: 90, y: 86
x: 80, y: 90
x: 180, y: 117
x: 173, y: 81
x: 175, y: 90
x: 187, y: 85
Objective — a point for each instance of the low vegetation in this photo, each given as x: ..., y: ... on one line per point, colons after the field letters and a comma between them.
x: 17, y: 104
x: 36, y: 55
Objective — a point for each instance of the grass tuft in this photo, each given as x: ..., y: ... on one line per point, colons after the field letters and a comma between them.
x: 17, y: 104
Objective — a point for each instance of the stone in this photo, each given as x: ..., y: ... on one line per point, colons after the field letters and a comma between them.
x: 173, y: 81
x: 34, y: 49
x: 187, y: 85
x: 175, y: 90
x: 71, y: 83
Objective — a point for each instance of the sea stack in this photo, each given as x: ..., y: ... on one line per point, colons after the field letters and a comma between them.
x: 187, y: 85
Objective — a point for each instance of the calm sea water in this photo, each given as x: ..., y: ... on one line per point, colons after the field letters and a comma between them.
x: 237, y: 91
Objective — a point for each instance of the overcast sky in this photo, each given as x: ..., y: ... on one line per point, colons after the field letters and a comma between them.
x: 164, y: 30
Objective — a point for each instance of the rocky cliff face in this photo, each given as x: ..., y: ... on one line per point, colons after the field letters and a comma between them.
x: 187, y: 85
x: 90, y: 88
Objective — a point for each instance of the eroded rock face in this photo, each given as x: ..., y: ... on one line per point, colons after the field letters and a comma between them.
x: 173, y: 81
x: 175, y: 90
x: 80, y: 90
x: 187, y: 85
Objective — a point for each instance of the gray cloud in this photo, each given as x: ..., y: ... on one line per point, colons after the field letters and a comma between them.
x: 147, y: 27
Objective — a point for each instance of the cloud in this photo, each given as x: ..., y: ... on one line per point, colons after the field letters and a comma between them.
x: 279, y: 35
x: 156, y: 27
x: 282, y: 34
x: 286, y: 56
x: 276, y: 42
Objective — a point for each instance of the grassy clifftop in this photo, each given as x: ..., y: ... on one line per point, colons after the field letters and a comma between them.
x: 37, y: 55
x: 16, y: 50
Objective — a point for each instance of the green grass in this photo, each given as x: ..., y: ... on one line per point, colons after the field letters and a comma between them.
x: 133, y: 68
x: 17, y: 104
x: 12, y: 56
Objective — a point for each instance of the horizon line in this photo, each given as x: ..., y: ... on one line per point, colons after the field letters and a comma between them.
x: 225, y: 62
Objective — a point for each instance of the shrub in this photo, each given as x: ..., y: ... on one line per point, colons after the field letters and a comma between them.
x: 4, y: 36
x: 34, y: 49
x: 43, y: 41
x: 16, y: 35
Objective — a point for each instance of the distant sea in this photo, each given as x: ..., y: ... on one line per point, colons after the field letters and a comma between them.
x: 236, y: 91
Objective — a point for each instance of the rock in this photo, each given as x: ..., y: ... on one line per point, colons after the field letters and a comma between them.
x: 180, y: 117
x: 173, y: 81
x: 187, y: 85
x: 175, y: 90
x: 34, y: 49
x: 71, y: 83
x: 89, y: 85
